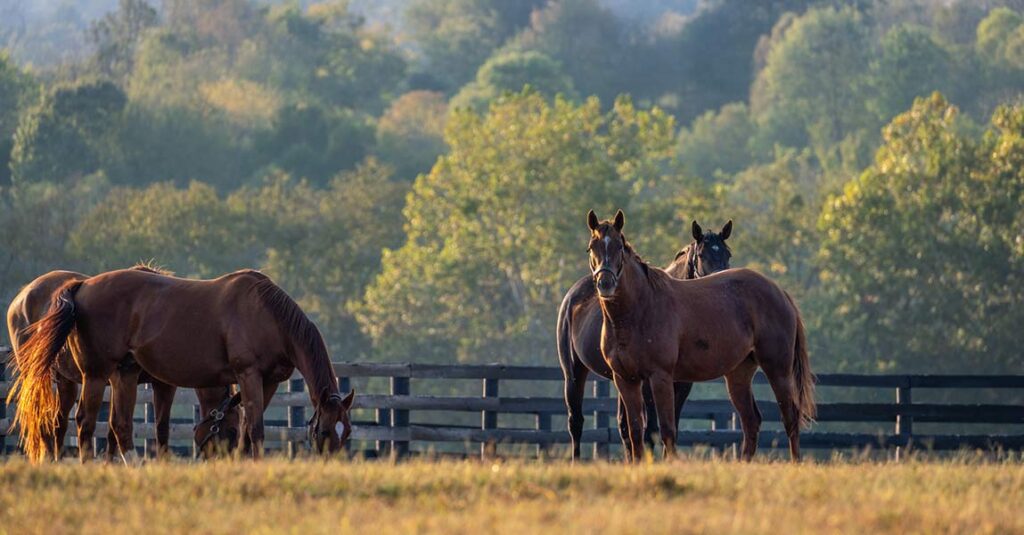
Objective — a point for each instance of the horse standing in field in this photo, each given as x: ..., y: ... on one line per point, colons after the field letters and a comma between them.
x: 240, y: 327
x: 663, y: 330
x: 578, y: 333
x: 33, y: 302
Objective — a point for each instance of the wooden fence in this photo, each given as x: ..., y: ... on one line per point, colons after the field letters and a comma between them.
x: 391, y: 424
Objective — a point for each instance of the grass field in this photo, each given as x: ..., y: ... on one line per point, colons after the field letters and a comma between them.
x: 689, y: 496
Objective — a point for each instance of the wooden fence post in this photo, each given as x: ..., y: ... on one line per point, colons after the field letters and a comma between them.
x: 296, y: 416
x: 148, y: 417
x: 344, y: 386
x: 489, y: 419
x: 543, y: 424
x: 3, y: 413
x: 400, y: 417
x: 383, y: 420
x: 197, y: 416
x: 602, y: 390
x: 904, y: 422
x: 99, y: 440
x: 721, y: 422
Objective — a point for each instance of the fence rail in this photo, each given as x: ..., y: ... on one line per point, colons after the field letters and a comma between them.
x: 392, y: 428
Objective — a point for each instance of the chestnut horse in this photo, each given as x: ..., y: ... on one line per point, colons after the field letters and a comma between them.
x: 578, y: 333
x: 33, y: 301
x: 240, y: 327
x: 660, y: 329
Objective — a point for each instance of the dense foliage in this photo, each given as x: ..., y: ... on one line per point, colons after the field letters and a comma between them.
x: 416, y: 173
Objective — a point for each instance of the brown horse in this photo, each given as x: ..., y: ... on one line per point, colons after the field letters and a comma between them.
x: 660, y: 329
x: 240, y: 328
x: 578, y: 333
x: 32, y: 303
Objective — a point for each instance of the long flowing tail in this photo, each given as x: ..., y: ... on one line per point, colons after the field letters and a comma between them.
x: 802, y: 372
x: 38, y: 405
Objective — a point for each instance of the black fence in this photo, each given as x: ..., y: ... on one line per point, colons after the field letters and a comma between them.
x: 397, y: 421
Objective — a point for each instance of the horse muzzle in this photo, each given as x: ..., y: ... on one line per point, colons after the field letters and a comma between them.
x: 606, y: 282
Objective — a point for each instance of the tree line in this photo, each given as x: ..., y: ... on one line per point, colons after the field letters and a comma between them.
x: 420, y: 187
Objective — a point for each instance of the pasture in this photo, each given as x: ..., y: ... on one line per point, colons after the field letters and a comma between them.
x: 692, y: 495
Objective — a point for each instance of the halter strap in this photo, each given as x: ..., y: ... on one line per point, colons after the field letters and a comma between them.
x: 216, y: 415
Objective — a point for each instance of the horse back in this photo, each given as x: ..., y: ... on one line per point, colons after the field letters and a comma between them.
x: 161, y: 319
x: 725, y: 316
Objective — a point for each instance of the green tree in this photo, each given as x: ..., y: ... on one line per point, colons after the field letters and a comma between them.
x: 491, y: 235
x: 116, y: 35
x: 410, y: 134
x: 68, y: 133
x: 812, y: 89
x: 457, y: 36
x: 586, y: 39
x: 718, y: 143
x: 14, y: 92
x: 324, y: 245
x: 509, y: 72
x: 911, y: 64
x: 920, y: 254
x: 191, y: 231
x: 314, y: 143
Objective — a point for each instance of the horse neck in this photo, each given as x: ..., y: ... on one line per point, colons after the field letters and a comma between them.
x: 679, y: 268
x: 318, y: 373
x: 631, y: 299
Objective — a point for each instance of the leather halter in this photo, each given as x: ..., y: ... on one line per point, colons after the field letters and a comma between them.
x: 605, y: 269
x: 216, y: 416
x: 312, y: 426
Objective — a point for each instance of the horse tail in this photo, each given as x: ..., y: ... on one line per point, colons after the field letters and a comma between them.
x: 38, y: 405
x: 802, y: 371
x: 563, y: 331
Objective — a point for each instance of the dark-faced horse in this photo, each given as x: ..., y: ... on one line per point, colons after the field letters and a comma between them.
x: 240, y: 327
x: 32, y: 303
x: 662, y: 330
x: 578, y: 333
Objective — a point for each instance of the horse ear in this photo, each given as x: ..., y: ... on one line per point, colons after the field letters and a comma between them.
x: 727, y: 230
x: 346, y: 403
x: 592, y: 221
x: 698, y: 233
x: 620, y: 221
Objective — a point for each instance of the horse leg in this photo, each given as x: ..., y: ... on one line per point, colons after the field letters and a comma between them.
x: 650, y: 415
x: 627, y: 446
x: 88, y: 411
x: 124, y: 389
x: 738, y: 383
x: 783, y: 384
x: 67, y: 391
x: 574, y: 391
x: 632, y: 396
x: 663, y: 391
x: 251, y: 385
x: 163, y: 401
x: 682, y: 391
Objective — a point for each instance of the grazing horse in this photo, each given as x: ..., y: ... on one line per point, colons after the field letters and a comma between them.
x: 662, y: 330
x: 240, y: 327
x: 32, y: 303
x: 578, y: 333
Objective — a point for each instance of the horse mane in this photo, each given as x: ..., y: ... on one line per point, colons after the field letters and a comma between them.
x: 684, y: 251
x: 298, y: 328
x: 150, y: 266
x: 655, y: 277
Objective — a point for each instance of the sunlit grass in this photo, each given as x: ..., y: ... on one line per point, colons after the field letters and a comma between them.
x: 917, y: 496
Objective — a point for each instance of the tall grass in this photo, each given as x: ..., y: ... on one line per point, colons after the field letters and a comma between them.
x: 952, y: 496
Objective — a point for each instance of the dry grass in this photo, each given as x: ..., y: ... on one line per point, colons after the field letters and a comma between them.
x: 471, y: 497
